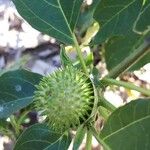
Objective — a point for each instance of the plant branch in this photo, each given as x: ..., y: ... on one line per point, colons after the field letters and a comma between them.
x: 80, y: 55
x: 98, y: 138
x: 89, y: 140
x: 14, y: 125
x: 106, y: 104
x: 127, y: 85
x: 130, y: 60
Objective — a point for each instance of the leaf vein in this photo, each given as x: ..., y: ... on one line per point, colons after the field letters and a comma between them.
x: 44, y: 20
x: 115, y: 132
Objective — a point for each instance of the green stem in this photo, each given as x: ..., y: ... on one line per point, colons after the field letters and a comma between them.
x: 98, y: 138
x: 106, y: 104
x: 80, y: 54
x: 129, y: 61
x: 14, y: 125
x: 89, y: 141
x: 127, y: 85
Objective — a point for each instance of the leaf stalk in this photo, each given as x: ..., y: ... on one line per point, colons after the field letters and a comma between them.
x: 89, y: 140
x: 127, y: 85
x: 78, y: 50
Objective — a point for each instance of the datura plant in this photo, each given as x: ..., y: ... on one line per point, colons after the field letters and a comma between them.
x: 69, y: 104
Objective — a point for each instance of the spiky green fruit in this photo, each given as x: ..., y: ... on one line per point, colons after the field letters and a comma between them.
x: 66, y: 97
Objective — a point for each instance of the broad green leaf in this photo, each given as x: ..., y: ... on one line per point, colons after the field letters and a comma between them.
x: 128, y: 128
x: 80, y: 134
x: 118, y: 48
x: 17, y: 88
x: 40, y: 137
x: 65, y: 60
x: 116, y: 18
x: 143, y: 22
x: 56, y: 18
